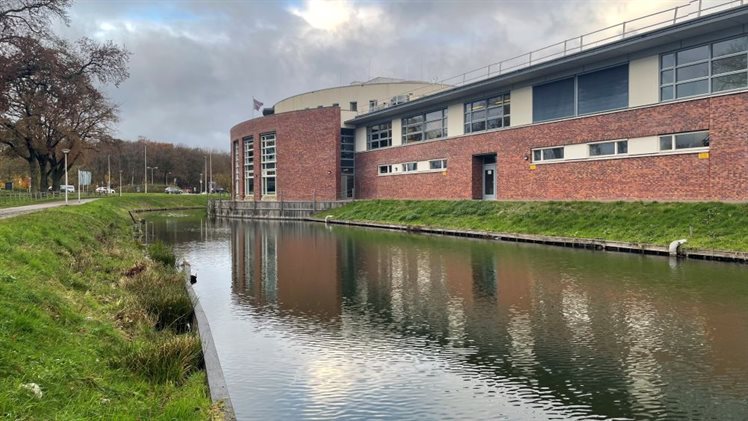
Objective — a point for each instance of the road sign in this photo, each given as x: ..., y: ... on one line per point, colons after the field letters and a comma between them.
x: 84, y: 178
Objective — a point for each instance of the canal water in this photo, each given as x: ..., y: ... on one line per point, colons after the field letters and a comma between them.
x: 316, y: 322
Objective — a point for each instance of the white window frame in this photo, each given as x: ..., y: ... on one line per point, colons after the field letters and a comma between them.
x: 385, y: 169
x: 249, y: 165
x: 438, y: 164
x: 673, y: 142
x: 542, y: 154
x: 616, y: 148
x: 269, y: 162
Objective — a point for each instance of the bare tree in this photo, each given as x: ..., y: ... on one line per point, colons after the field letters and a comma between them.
x: 52, y: 102
x: 21, y: 18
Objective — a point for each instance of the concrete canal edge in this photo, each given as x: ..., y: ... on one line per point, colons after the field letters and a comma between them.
x: 219, y: 392
x: 585, y: 243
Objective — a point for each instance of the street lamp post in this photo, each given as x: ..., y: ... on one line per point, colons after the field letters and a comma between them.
x: 66, y: 152
x: 166, y: 176
x: 201, y: 183
x: 120, y: 183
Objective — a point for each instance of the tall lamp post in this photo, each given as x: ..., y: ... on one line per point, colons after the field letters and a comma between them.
x: 201, y: 183
x: 166, y: 176
x: 120, y: 183
x: 66, y: 152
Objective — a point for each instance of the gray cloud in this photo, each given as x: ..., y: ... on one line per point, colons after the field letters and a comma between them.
x: 197, y: 64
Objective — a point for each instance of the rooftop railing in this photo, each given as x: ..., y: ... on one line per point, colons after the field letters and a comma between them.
x: 623, y: 30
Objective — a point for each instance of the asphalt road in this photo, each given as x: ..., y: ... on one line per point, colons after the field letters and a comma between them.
x: 20, y: 210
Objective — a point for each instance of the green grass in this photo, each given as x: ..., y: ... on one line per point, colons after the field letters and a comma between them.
x: 72, y: 322
x: 719, y: 226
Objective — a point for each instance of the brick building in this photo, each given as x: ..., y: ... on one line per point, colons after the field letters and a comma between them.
x: 660, y: 114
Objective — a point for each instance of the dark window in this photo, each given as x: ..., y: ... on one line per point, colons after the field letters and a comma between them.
x: 487, y: 114
x: 603, y: 90
x: 553, y: 100
x: 599, y: 149
x: 379, y: 136
x: 354, y: 106
x: 718, y: 67
x: 420, y: 127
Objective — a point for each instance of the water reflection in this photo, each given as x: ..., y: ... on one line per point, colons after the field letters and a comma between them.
x: 354, y: 323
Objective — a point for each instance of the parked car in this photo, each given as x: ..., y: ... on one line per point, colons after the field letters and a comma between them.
x: 173, y: 190
x: 67, y: 187
x: 105, y: 190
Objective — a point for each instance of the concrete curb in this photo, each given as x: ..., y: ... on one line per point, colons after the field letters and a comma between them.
x: 585, y: 243
x: 219, y: 392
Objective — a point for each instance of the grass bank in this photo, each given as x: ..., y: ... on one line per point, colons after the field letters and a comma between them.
x: 716, y: 226
x: 90, y: 328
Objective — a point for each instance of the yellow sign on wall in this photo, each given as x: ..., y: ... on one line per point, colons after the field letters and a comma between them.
x: 533, y: 166
x: 704, y: 155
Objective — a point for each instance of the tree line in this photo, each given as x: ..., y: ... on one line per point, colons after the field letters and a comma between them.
x: 51, y: 103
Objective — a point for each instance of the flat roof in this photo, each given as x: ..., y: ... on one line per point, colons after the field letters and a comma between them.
x: 632, y: 44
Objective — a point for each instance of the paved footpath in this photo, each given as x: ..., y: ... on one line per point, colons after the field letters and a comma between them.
x: 20, y: 210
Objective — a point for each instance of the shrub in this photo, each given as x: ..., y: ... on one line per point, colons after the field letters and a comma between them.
x: 168, y: 358
x: 164, y: 297
x: 162, y: 253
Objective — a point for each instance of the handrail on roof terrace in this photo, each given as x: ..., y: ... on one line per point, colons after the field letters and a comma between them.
x: 574, y: 45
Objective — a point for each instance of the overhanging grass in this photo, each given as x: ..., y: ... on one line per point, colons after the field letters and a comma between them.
x: 66, y: 319
x: 720, y: 226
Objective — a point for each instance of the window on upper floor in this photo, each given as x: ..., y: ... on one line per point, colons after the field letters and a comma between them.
x: 353, y: 106
x: 379, y: 136
x: 487, y: 114
x: 716, y: 67
x: 593, y: 92
x: 431, y: 125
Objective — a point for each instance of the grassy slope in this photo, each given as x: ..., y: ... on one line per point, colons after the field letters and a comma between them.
x: 706, y: 225
x: 59, y: 302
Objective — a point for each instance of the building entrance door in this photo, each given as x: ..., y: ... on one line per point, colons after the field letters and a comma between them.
x: 489, y: 181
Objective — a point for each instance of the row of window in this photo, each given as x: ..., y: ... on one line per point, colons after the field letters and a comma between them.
x: 715, y: 67
x: 671, y: 142
x: 485, y: 114
x: 410, y: 167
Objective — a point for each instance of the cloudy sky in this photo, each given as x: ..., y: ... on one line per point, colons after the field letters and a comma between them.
x: 196, y: 64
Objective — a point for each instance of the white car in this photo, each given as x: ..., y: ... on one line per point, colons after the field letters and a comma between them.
x: 105, y: 190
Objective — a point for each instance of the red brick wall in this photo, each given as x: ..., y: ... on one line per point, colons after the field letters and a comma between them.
x: 675, y: 177
x: 308, y: 153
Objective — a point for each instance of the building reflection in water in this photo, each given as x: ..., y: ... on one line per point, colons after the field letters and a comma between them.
x: 589, y: 329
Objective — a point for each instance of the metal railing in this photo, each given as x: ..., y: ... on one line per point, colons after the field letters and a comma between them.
x: 623, y: 30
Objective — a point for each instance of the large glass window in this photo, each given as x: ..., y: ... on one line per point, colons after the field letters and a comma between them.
x: 553, y: 100
x: 268, y: 163
x: 717, y: 67
x: 603, y: 90
x: 487, y: 114
x: 249, y: 165
x: 431, y: 125
x: 379, y: 136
